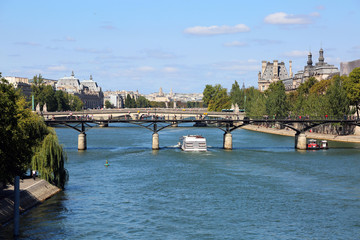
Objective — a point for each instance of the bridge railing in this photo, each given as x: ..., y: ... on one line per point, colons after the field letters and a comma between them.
x: 306, y: 117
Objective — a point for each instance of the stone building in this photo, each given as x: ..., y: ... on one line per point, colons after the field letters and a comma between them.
x: 88, y: 90
x: 272, y: 72
x: 115, y: 99
x: 21, y: 83
x: 347, y: 67
x: 320, y: 71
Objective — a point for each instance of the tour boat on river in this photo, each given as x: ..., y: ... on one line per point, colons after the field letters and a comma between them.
x: 193, y: 143
x: 314, y: 145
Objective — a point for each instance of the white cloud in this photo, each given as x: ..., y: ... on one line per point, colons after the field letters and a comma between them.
x: 296, y: 53
x: 145, y: 69
x: 57, y: 68
x: 284, y: 18
x: 217, y: 30
x: 235, y: 44
x: 170, y: 69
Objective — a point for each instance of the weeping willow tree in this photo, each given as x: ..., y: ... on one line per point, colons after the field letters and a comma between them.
x: 49, y: 159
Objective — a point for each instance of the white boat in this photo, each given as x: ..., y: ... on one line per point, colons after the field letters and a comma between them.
x: 324, y: 144
x: 193, y: 143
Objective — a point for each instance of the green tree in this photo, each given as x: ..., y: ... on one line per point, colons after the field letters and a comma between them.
x: 352, y: 87
x: 256, y: 107
x: 276, y: 100
x: 49, y: 159
x: 21, y: 133
x: 208, y: 94
x: 142, y: 102
x: 48, y: 96
x: 130, y: 102
x: 74, y: 102
x: 237, y: 95
x: 300, y: 104
x: 62, y: 101
x: 337, y: 98
x: 157, y: 104
x: 220, y: 99
x: 37, y: 88
x: 108, y: 104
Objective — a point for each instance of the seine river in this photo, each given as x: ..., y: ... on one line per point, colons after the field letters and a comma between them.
x: 263, y: 189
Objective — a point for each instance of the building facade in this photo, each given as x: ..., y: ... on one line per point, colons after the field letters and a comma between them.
x: 21, y: 83
x: 320, y: 71
x: 272, y: 72
x: 347, y: 67
x: 88, y: 90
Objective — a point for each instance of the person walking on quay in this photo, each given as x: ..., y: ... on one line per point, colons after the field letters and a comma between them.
x: 34, y: 174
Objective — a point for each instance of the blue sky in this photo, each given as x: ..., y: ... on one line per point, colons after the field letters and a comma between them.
x: 184, y: 45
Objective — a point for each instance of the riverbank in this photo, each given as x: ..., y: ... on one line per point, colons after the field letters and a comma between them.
x: 288, y: 132
x: 32, y: 193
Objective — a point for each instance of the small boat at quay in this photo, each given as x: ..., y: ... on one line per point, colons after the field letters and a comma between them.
x: 193, y: 143
x: 314, y: 145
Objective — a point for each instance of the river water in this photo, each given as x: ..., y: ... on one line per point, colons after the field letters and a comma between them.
x: 263, y: 189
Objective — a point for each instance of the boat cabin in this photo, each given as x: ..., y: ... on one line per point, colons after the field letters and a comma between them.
x: 193, y: 143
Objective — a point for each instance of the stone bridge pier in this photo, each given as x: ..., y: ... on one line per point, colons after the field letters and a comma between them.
x: 82, y: 141
x: 227, y: 141
x: 300, y: 141
x: 155, y: 141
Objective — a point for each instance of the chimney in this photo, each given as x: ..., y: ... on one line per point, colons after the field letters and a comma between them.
x: 290, y: 69
x: 276, y: 69
x: 263, y: 67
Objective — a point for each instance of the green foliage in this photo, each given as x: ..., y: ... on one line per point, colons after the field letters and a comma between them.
x: 154, y: 104
x: 255, y: 103
x: 352, y: 87
x: 21, y: 133
x: 74, y: 102
x: 49, y: 159
x: 337, y: 98
x: 305, y: 87
x: 308, y: 99
x: 130, y: 102
x: 219, y: 100
x: 208, y: 94
x: 54, y: 100
x: 276, y: 100
x: 320, y: 88
x: 14, y: 140
x: 108, y: 104
x: 237, y: 95
x: 194, y: 104
x: 142, y: 102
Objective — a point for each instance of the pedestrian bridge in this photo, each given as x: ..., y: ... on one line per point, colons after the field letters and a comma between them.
x: 225, y: 122
x: 140, y: 113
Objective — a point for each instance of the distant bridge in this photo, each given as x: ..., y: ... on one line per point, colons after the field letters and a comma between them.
x: 138, y: 113
x: 156, y: 123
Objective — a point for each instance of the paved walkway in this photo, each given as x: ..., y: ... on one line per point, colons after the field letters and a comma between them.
x: 330, y: 137
x: 32, y: 192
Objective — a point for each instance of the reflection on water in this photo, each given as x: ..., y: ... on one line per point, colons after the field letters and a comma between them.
x: 263, y: 189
